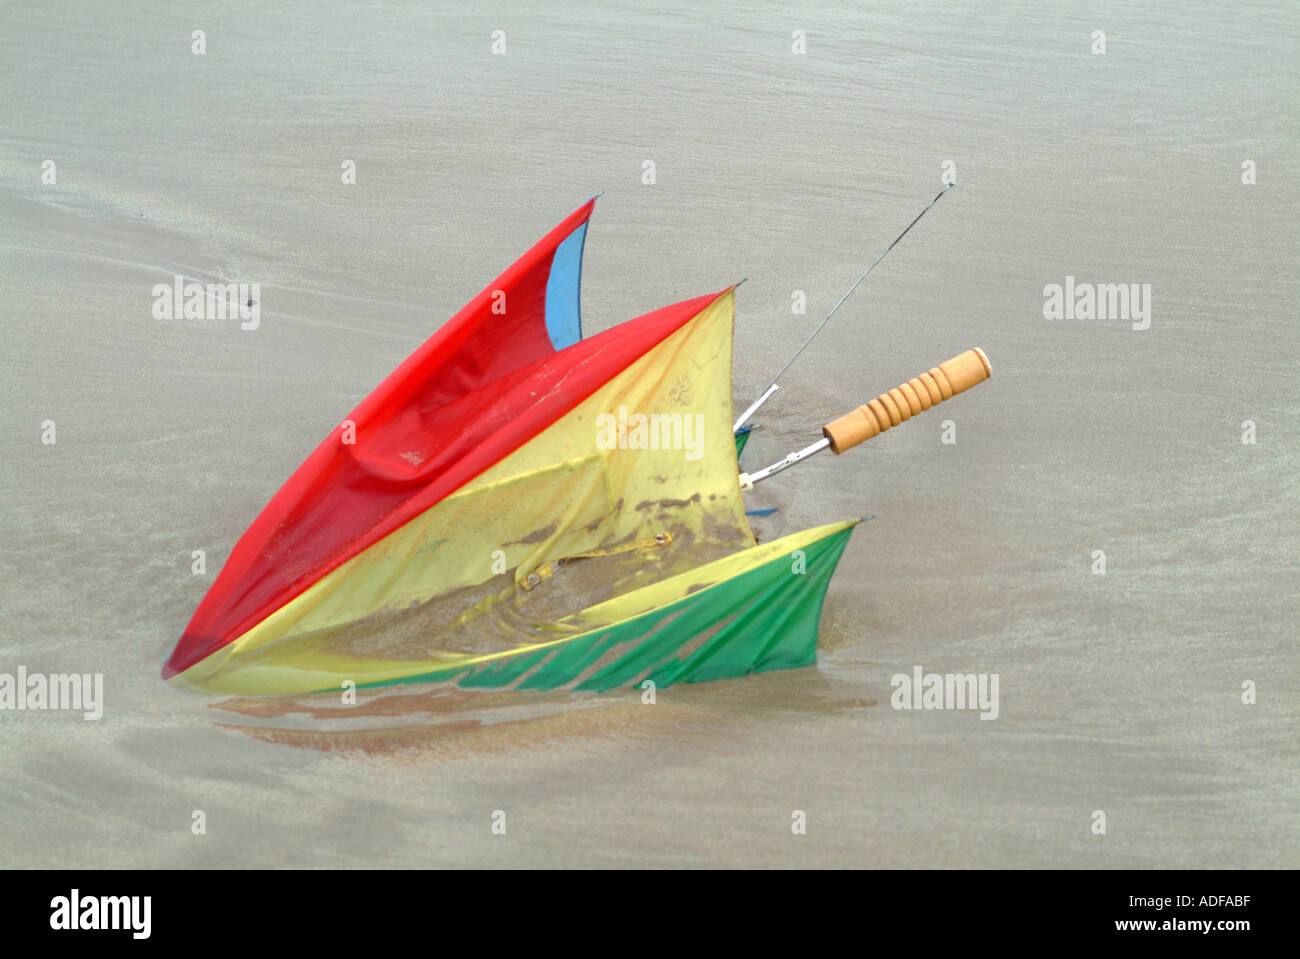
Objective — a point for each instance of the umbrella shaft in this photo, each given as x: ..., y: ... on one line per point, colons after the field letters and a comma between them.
x: 790, y: 460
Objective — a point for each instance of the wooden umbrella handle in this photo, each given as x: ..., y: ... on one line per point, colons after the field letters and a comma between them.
x: 903, y: 402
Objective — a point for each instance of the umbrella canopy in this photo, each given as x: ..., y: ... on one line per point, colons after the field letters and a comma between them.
x: 494, y: 495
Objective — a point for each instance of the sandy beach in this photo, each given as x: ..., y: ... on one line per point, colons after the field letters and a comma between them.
x: 1120, y: 692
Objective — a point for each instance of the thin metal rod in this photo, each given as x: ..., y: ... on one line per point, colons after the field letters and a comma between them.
x: 856, y: 284
x: 753, y: 406
x: 749, y: 479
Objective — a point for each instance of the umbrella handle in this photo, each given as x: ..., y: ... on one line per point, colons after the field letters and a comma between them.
x: 903, y: 402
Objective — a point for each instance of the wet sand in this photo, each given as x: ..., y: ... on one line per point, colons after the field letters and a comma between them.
x: 1119, y: 692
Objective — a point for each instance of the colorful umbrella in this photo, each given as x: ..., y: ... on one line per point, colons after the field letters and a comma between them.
x: 517, y: 506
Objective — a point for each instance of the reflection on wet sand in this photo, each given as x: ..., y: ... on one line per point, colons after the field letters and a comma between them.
x: 453, y: 722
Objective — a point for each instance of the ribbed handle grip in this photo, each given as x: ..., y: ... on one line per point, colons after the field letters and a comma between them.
x: 903, y: 402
